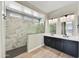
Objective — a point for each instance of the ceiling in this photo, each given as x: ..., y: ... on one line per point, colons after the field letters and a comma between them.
x: 48, y: 6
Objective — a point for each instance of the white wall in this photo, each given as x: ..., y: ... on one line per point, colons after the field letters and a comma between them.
x: 46, y: 25
x: 2, y: 33
x: 34, y: 41
x: 78, y: 20
x: 0, y: 27
x: 63, y: 11
x: 58, y: 27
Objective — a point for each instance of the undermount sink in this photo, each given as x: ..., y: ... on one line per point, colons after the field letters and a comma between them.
x: 66, y: 36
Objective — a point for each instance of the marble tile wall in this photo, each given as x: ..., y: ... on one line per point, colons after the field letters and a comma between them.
x: 16, y: 34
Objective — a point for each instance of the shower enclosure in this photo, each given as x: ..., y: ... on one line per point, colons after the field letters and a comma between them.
x: 20, y: 21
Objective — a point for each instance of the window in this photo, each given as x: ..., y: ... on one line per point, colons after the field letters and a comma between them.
x: 52, y: 26
x: 38, y: 26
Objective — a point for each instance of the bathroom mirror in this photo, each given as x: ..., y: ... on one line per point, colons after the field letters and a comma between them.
x: 67, y: 25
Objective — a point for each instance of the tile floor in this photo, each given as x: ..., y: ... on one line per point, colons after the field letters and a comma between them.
x: 44, y: 52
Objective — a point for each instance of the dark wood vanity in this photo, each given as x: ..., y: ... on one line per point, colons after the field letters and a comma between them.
x: 67, y: 46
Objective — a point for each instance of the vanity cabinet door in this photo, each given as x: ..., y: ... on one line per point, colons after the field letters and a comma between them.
x: 78, y: 49
x: 47, y: 41
x: 70, y: 47
x: 53, y: 43
x: 59, y: 44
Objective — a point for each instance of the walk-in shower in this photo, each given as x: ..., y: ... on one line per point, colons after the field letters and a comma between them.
x: 20, y: 21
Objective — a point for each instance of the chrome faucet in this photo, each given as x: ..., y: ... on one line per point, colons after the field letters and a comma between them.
x: 65, y: 35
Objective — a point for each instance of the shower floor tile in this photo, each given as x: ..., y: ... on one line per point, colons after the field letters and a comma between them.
x: 15, y: 52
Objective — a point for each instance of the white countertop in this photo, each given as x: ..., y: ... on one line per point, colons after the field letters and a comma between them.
x: 73, y: 38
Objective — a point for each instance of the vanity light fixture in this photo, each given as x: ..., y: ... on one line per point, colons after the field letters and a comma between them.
x: 52, y: 18
x: 65, y: 15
